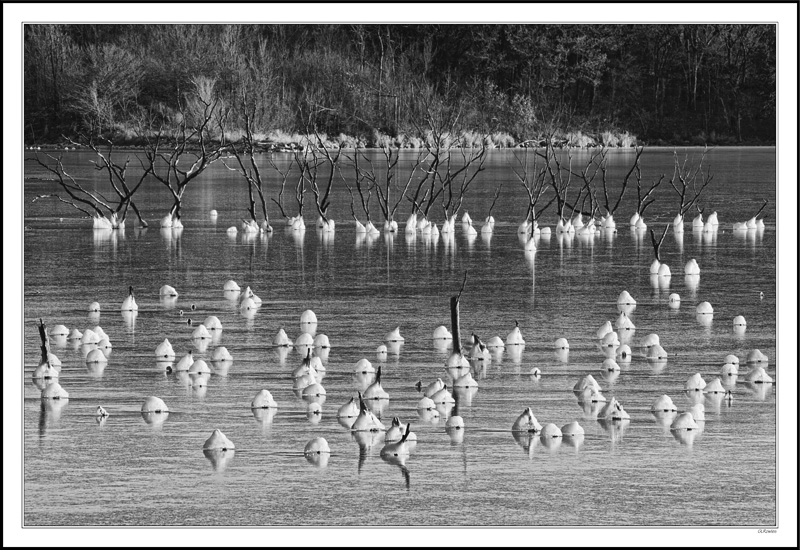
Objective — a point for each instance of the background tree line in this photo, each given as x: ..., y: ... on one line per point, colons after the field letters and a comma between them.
x: 664, y: 83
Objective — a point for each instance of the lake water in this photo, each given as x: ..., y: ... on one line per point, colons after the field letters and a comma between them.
x: 127, y: 471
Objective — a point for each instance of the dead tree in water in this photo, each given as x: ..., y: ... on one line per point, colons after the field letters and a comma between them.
x: 364, y: 185
x: 635, y: 168
x: 463, y: 176
x: 105, y: 213
x: 534, y: 183
x: 384, y: 183
x: 684, y: 182
x: 192, y: 143
x: 658, y: 242
x: 442, y: 133
x: 284, y: 175
x: 321, y: 155
x: 248, y: 168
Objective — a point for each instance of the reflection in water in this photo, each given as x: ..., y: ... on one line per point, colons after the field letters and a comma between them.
x: 281, y: 353
x: 264, y: 416
x: 130, y: 319
x: 168, y: 302
x: 155, y: 419
x: 456, y: 435
x: 219, y: 459
x: 692, y: 283
x: 528, y: 441
x: 366, y: 442
x: 96, y: 370
x: 575, y: 441
x: 759, y: 391
x: 615, y: 428
x: 50, y: 414
x: 222, y: 367
x: 591, y: 409
x: 664, y: 418
x: 515, y: 353
x: 685, y: 437
x: 551, y: 443
x: 319, y: 460
x: 399, y: 461
x: 713, y: 402
x: 657, y: 366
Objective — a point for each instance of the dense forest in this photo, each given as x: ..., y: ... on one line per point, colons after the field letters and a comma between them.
x: 612, y: 84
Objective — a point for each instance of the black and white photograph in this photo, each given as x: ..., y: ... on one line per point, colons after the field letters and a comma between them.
x: 452, y: 274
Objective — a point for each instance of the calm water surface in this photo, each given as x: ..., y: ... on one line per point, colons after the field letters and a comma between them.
x: 126, y: 471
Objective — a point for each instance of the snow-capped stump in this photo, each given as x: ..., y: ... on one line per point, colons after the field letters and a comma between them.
x: 164, y: 351
x: 317, y: 446
x: 514, y: 337
x: 526, y: 422
x: 715, y: 386
x: 349, y: 409
x: 308, y: 317
x: 168, y: 290
x: 394, y: 336
x: 684, y: 421
x: 695, y: 383
x: 281, y: 339
x: 154, y: 405
x: 321, y: 341
x: 59, y: 330
x: 610, y: 339
x: 90, y: 337
x: 613, y: 411
x: 45, y: 371
x: 550, y: 431
x: 54, y: 391
x: 730, y: 369
x: 201, y: 333
x: 221, y: 354
x: 212, y: 323
x: 704, y: 308
x: 572, y: 429
x: 465, y: 381
x: 441, y: 333
x: 656, y: 352
x: 443, y: 397
x: 454, y: 423
x: 495, y: 342
x: 96, y: 356
x: 218, y: 442
x: 759, y: 376
x: 691, y: 268
x: 755, y: 356
x: 604, y: 329
x: 305, y: 339
x: 363, y: 367
x: 624, y: 323
x: 625, y: 299
x: 609, y: 365
x: 663, y: 404
x: 231, y: 286
x: 263, y: 400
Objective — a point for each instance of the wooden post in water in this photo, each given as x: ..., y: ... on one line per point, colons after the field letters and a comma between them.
x: 454, y: 324
x: 454, y: 321
x: 45, y: 343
